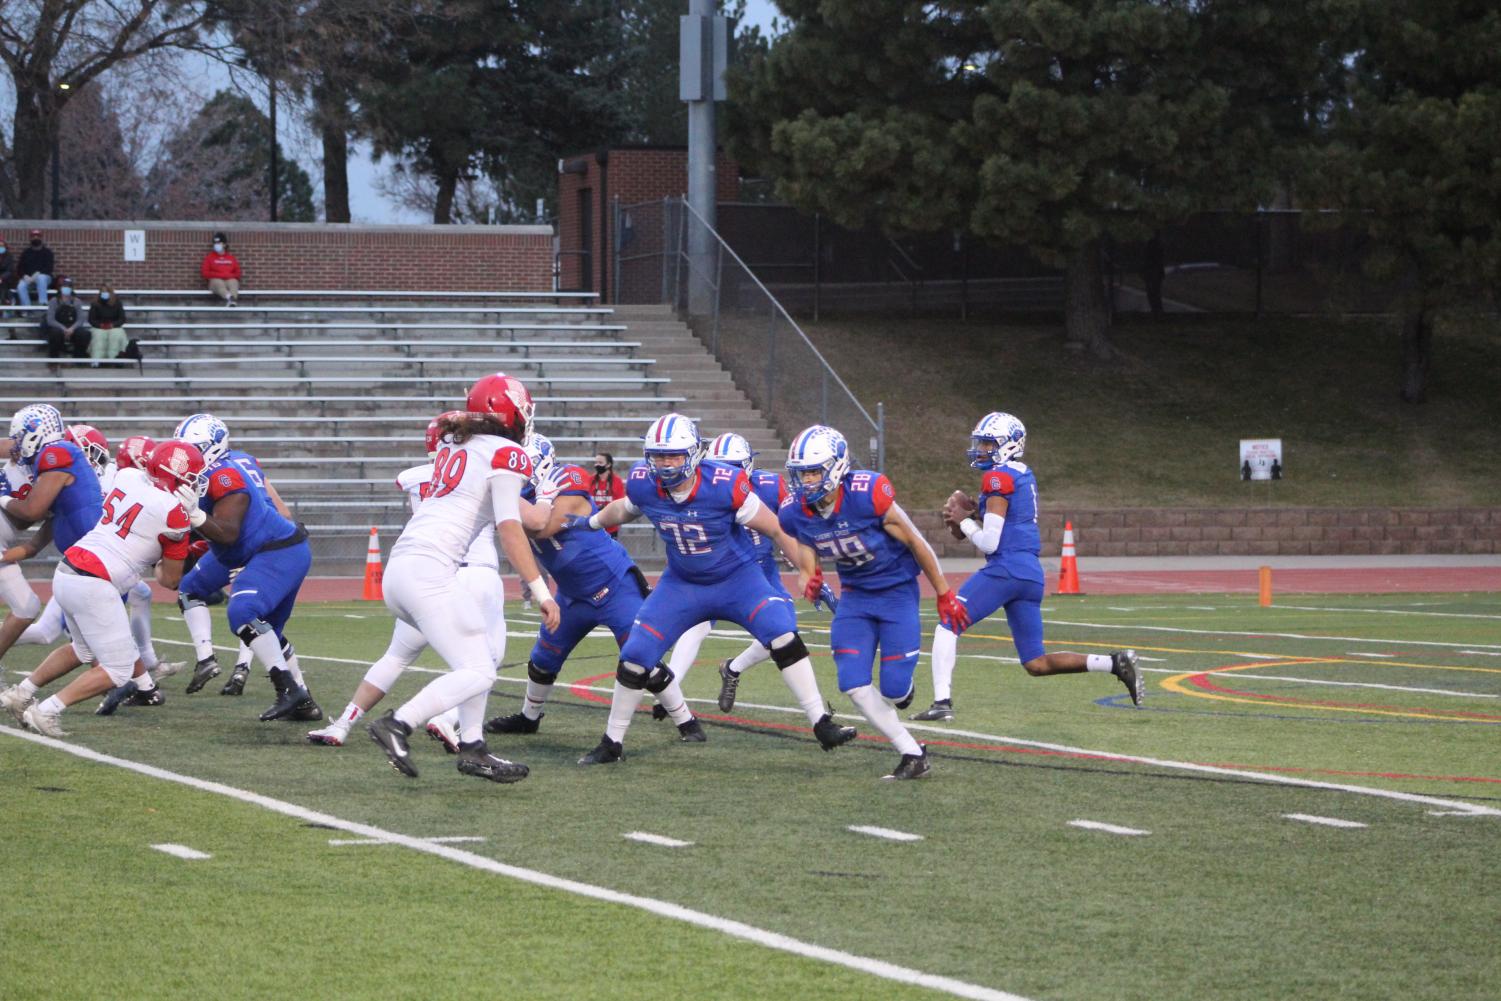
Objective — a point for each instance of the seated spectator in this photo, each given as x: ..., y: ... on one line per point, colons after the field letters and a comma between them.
x: 7, y: 277
x: 222, y: 271
x: 107, y: 320
x: 34, y: 272
x: 606, y: 486
x: 66, y: 329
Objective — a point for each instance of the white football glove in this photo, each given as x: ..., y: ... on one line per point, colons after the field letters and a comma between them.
x: 549, y: 486
x: 188, y: 498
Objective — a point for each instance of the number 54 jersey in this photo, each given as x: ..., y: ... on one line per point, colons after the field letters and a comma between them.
x: 704, y: 544
x: 139, y: 526
x: 852, y: 535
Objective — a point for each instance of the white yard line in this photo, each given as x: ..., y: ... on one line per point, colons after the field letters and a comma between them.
x: 182, y: 851
x: 1096, y: 825
x: 662, y: 908
x: 457, y: 840
x: 1363, y: 684
x: 884, y: 832
x: 656, y: 839
x: 1134, y: 627
x: 1309, y: 818
x: 1357, y: 653
x: 1391, y: 611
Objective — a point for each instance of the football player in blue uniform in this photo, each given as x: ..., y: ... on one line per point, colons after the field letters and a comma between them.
x: 1003, y: 527
x: 851, y: 517
x: 697, y: 508
x: 238, y: 516
x: 598, y: 585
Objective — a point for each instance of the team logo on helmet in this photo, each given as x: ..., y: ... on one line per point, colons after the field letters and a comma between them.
x: 176, y: 464
x: 206, y: 433
x: 33, y: 428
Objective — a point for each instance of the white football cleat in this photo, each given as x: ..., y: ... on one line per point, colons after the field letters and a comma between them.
x: 13, y: 702
x: 167, y: 668
x: 441, y: 730
x: 330, y: 736
x: 47, y: 724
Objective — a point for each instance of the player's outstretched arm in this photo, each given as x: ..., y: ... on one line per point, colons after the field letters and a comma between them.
x: 39, y: 540
x: 505, y: 498
x: 280, y: 505
x: 169, y: 573
x: 618, y: 512
x: 562, y: 509
x: 222, y: 525
x: 35, y: 505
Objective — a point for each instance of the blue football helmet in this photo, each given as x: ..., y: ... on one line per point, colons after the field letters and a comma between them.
x: 818, y: 448
x: 733, y: 449
x: 206, y: 433
x: 33, y: 428
x: 673, y: 434
x: 1005, y: 437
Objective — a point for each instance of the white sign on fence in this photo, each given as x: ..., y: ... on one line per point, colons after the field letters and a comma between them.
x: 1261, y: 458
x: 135, y: 244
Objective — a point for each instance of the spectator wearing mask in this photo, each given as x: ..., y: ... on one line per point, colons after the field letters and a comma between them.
x: 222, y: 271
x: 66, y: 329
x: 107, y: 322
x: 35, y: 271
x: 7, y: 278
x: 606, y: 486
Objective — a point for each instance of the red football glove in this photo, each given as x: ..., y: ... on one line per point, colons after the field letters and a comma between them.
x: 815, y: 585
x: 198, y: 547
x: 951, y: 611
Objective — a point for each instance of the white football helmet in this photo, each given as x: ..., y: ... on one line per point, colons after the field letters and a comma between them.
x: 733, y: 449
x: 543, y: 456
x: 673, y: 434
x: 818, y: 448
x: 206, y: 433
x: 1006, y: 436
x: 33, y: 428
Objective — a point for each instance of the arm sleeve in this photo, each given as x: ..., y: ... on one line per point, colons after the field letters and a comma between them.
x: 988, y: 538
x: 748, y: 509
x: 505, y: 496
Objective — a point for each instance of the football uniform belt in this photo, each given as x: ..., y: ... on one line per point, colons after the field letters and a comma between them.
x: 300, y: 535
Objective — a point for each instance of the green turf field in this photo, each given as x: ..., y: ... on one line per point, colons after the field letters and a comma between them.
x: 1385, y: 708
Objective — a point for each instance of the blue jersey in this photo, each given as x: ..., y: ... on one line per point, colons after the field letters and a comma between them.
x: 852, y: 535
x: 583, y: 563
x: 237, y: 473
x: 704, y: 544
x: 1021, y: 542
x: 772, y: 491
x: 78, y: 507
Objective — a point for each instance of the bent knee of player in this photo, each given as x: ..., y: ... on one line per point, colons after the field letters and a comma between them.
x: 1037, y: 667
x: 896, y: 682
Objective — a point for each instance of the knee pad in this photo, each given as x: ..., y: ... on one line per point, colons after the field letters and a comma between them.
x: 658, y: 678
x: 254, y: 629
x: 27, y: 606
x: 541, y: 677
x: 630, y: 676
x: 788, y: 653
x: 186, y: 601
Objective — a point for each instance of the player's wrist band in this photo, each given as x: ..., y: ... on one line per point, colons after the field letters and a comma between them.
x: 594, y: 521
x: 539, y: 590
x: 969, y: 527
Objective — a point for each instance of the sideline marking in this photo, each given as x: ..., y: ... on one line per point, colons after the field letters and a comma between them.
x: 1095, y: 825
x: 182, y: 851
x: 884, y: 832
x: 1309, y: 818
x: 676, y: 912
x: 1392, y: 611
x: 1365, y: 684
x: 460, y: 839
x: 656, y: 839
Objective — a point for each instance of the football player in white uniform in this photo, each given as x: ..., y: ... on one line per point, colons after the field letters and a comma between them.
x: 21, y: 602
x: 143, y: 526
x: 478, y: 474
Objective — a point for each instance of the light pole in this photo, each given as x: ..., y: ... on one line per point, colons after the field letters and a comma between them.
x: 57, y: 170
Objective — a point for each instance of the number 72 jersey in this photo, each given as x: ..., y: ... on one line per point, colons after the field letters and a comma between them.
x: 704, y: 544
x: 853, y: 535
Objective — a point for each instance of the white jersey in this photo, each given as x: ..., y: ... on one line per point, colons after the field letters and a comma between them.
x: 141, y: 524
x: 474, y: 487
x: 14, y: 482
x: 416, y: 482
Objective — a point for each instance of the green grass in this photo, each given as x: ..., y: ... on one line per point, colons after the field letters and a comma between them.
x: 1223, y: 899
x: 1161, y: 425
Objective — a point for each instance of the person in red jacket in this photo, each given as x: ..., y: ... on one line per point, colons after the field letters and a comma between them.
x: 606, y: 486
x: 222, y: 271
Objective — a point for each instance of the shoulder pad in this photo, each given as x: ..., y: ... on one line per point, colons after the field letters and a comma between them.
x: 52, y: 457
x: 997, y: 481
x: 512, y: 459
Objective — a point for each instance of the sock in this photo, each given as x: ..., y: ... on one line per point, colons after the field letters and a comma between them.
x: 1098, y: 662
x: 140, y: 628
x: 945, y: 651
x: 27, y: 688
x: 623, y: 704
x: 749, y: 657
x: 350, y: 716
x: 442, y: 694
x: 200, y: 625
x: 677, y: 707
x: 243, y: 656
x: 290, y: 656
x: 536, y: 696
x: 799, y: 678
x: 267, y: 649
x: 51, y: 706
x: 884, y: 718
x: 144, y: 682
x: 469, y: 717
x: 685, y: 650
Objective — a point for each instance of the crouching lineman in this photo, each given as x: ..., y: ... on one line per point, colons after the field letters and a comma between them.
x: 21, y: 602
x: 143, y: 525
x: 697, y: 508
x: 852, y: 517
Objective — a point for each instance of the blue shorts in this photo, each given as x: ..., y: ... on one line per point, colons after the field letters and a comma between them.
x: 983, y: 593
x: 266, y: 587
x: 617, y: 610
x: 208, y: 577
x: 773, y: 572
x: 744, y: 598
x: 886, y: 619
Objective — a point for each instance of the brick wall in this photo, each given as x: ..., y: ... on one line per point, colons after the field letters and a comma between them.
x: 1298, y: 531
x: 304, y: 255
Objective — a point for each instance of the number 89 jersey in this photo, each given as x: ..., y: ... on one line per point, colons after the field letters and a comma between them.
x: 704, y: 544
x: 852, y: 535
x: 475, y: 486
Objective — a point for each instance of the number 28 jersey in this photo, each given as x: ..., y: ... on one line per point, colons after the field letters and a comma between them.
x: 704, y: 541
x: 475, y: 486
x: 853, y: 535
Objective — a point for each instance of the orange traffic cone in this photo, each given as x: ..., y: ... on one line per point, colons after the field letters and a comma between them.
x: 1068, y: 567
x: 373, y: 570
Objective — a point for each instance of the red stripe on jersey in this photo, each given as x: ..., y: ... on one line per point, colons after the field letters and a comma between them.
x: 781, y: 491
x: 86, y: 561
x: 53, y: 457
x: 882, y: 495
x: 740, y: 490
x: 513, y: 459
x: 173, y: 549
x: 997, y: 481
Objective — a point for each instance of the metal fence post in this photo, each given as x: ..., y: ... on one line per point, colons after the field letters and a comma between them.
x: 880, y: 437
x: 817, y: 260
x: 771, y: 366
x: 615, y: 248
x: 823, y: 397
x: 718, y: 291
x: 666, y: 242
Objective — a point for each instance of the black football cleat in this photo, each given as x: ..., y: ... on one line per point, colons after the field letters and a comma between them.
x: 692, y: 732
x: 151, y: 698
x: 391, y: 734
x: 307, y: 711
x: 476, y: 759
x: 830, y: 734
x: 514, y: 723
x: 729, y: 684
x: 237, y: 678
x: 607, y: 753
x: 205, y: 669
x: 941, y: 709
x: 906, y: 700
x: 115, y: 698
x: 289, y: 697
x: 1123, y: 666
x: 912, y: 766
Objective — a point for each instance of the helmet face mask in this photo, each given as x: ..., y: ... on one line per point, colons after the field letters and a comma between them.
x: 175, y: 464
x: 732, y: 449
x: 996, y: 440
x: 92, y: 443
x: 821, y: 450
x: 668, y: 437
x: 33, y: 428
x: 207, y: 434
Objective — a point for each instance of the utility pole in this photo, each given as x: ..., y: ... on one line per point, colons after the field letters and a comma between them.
x: 703, y: 51
x: 272, y: 82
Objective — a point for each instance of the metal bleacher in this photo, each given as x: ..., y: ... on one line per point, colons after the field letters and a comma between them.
x: 332, y: 391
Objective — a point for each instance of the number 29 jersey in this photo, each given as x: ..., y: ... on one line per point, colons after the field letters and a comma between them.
x: 853, y: 535
x: 704, y: 543
x: 475, y: 486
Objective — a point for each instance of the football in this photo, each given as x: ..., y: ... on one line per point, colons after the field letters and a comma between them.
x: 958, y: 507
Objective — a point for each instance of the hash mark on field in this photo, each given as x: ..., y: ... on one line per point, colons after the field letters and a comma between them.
x: 351, y: 616
x: 884, y: 832
x: 1095, y: 825
x: 1482, y: 653
x: 1309, y: 818
x: 656, y: 839
x: 182, y: 851
x: 459, y: 839
x: 1357, y: 653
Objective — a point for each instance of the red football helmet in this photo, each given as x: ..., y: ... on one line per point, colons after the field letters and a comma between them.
x: 505, y: 398
x: 95, y: 446
x: 134, y: 451
x: 175, y: 464
x: 434, y: 433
